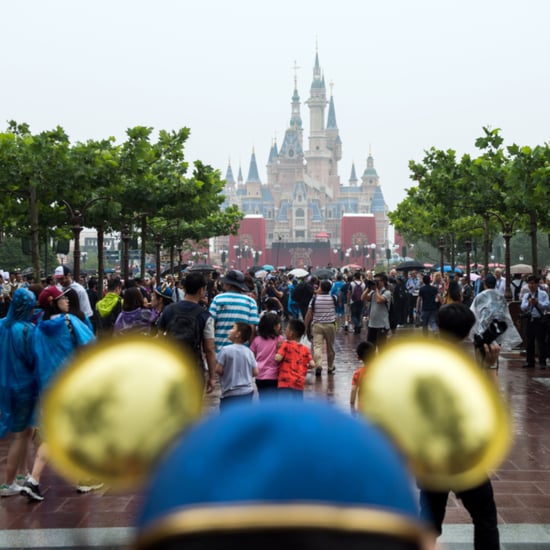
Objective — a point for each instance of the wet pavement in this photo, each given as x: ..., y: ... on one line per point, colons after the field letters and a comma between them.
x: 522, y: 484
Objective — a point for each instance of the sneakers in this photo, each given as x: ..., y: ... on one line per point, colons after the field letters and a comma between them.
x: 318, y: 372
x: 332, y: 370
x: 9, y: 490
x: 20, y: 479
x: 32, y: 491
x: 88, y: 486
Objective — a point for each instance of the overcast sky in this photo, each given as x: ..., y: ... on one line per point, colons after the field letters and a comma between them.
x: 407, y: 74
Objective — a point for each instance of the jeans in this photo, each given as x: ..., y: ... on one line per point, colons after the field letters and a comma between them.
x: 429, y: 319
x: 356, y: 312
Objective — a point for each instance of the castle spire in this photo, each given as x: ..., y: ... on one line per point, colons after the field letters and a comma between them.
x: 240, y: 176
x: 253, y: 176
x: 331, y: 120
x: 353, y: 177
x: 295, y: 118
x: 229, y: 174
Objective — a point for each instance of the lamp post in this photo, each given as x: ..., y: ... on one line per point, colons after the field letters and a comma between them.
x: 507, y: 235
x: 373, y: 254
x: 158, y: 244
x: 442, y: 254
x: 125, y: 236
x: 76, y: 226
x: 468, y: 245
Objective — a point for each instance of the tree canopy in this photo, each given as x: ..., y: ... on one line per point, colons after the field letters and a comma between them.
x: 52, y: 187
x: 501, y: 190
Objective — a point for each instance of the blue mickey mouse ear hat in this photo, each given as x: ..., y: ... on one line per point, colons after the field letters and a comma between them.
x: 278, y: 473
x: 276, y: 468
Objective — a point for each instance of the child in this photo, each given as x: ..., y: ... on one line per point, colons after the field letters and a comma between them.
x: 295, y: 359
x: 264, y: 347
x: 236, y: 365
x: 364, y: 351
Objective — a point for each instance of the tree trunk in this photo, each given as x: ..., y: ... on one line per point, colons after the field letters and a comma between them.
x: 533, y: 235
x: 35, y: 232
x: 100, y: 257
x: 486, y: 244
x: 143, y: 242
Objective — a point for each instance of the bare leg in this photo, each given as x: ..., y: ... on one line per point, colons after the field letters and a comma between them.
x: 40, y: 462
x: 17, y: 453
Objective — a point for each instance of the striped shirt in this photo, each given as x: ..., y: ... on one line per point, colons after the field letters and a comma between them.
x: 229, y: 308
x: 324, y: 310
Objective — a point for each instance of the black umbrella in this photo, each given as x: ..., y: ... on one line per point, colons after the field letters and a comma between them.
x: 204, y: 268
x: 177, y: 269
x: 411, y: 265
x: 323, y: 273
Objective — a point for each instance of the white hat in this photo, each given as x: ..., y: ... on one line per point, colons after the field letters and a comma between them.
x: 59, y: 272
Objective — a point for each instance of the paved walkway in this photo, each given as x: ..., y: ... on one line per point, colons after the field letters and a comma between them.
x: 522, y: 484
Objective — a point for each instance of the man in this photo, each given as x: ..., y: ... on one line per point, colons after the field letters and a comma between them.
x: 413, y: 286
x: 490, y: 305
x: 64, y: 279
x: 455, y: 321
x: 302, y: 294
x: 379, y: 317
x: 535, y: 304
x: 189, y: 322
x: 232, y: 306
x: 355, y: 299
x: 501, y: 281
x: 109, y: 307
x: 321, y: 314
x: 427, y: 304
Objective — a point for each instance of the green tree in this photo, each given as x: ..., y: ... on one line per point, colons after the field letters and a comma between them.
x: 33, y: 169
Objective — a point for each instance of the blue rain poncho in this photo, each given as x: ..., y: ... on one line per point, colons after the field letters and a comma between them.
x: 18, y: 388
x: 55, y: 342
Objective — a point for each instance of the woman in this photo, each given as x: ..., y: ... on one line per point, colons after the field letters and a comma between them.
x: 56, y: 338
x: 18, y: 388
x: 134, y: 318
x: 161, y: 298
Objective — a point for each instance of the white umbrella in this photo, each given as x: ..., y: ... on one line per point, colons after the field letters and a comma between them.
x: 260, y: 274
x: 522, y: 269
x: 298, y: 272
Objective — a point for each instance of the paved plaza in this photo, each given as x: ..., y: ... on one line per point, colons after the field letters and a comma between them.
x: 104, y: 519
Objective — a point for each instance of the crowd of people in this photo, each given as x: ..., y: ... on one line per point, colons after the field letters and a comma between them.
x: 246, y: 334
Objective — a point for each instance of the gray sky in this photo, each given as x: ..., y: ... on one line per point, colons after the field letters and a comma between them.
x: 407, y: 74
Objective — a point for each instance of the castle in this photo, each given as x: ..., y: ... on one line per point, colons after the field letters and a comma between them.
x: 304, y: 214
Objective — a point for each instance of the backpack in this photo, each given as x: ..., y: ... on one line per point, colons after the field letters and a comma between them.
x: 357, y: 292
x: 185, y: 327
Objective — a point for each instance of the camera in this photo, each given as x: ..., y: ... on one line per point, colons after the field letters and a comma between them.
x: 491, y: 333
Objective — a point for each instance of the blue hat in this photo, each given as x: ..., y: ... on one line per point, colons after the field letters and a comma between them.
x: 164, y: 291
x: 277, y: 465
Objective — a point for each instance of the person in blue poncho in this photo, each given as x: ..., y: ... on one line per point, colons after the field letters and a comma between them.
x: 55, y: 340
x: 18, y: 388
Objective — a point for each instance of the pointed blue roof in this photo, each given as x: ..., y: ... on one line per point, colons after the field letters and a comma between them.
x: 331, y: 120
x: 229, y: 175
x: 240, y: 175
x: 378, y: 202
x: 253, y: 176
x: 273, y: 154
x: 353, y: 178
x: 318, y: 77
